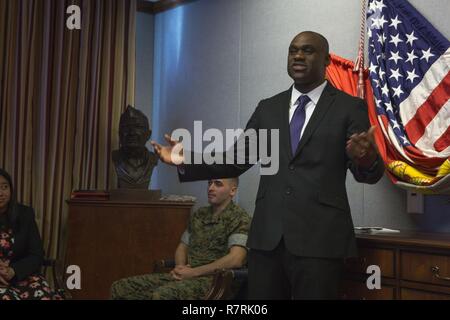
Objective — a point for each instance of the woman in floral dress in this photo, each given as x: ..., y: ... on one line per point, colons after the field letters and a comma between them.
x: 21, y: 250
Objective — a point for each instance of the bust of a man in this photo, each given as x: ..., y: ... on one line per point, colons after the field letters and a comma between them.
x: 133, y: 162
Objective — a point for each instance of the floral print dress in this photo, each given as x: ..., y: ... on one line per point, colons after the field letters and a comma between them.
x: 35, y: 287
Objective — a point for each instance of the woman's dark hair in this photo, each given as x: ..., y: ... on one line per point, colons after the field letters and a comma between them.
x: 11, y: 213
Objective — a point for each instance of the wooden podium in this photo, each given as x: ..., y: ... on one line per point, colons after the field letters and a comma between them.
x: 114, y: 239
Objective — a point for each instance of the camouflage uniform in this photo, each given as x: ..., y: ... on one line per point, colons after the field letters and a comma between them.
x: 209, y: 237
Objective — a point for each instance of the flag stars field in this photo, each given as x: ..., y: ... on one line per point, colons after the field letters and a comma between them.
x: 409, y: 71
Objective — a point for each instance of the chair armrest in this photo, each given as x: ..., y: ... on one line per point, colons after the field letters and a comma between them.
x: 222, y: 283
x: 163, y: 265
x: 240, y: 274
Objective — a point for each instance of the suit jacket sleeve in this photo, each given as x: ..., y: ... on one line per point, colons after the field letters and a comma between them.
x: 359, y: 122
x: 203, y: 171
x: 31, y: 260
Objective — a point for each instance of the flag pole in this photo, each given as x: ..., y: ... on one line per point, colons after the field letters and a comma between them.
x: 359, y: 64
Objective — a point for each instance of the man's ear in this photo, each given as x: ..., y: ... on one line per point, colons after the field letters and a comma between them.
x: 327, y: 60
x: 233, y: 191
x: 148, y: 134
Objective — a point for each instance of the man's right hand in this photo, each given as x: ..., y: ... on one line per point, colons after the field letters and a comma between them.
x: 171, y: 154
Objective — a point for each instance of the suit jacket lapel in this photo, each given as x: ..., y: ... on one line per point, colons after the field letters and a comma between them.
x: 324, y: 103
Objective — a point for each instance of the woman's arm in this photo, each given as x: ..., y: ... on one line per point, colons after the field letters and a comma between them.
x: 31, y: 261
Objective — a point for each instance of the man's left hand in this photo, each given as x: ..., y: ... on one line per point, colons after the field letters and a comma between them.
x: 361, y: 148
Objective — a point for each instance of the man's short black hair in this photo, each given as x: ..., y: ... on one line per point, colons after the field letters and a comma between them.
x: 324, y: 40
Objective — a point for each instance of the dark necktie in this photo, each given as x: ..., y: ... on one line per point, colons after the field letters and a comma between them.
x: 297, y: 121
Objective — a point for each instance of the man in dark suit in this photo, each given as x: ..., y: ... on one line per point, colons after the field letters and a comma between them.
x: 302, y: 227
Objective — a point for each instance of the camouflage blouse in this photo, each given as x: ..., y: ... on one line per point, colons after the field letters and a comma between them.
x: 209, y: 237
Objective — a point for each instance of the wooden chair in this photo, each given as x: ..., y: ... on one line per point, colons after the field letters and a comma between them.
x: 229, y: 284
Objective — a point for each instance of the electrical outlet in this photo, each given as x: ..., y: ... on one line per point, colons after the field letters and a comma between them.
x: 414, y: 202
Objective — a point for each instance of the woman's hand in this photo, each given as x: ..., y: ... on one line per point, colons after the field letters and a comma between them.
x: 3, y: 281
x: 6, y: 274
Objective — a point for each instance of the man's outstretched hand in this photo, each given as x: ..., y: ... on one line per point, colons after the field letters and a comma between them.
x: 361, y: 148
x: 171, y: 154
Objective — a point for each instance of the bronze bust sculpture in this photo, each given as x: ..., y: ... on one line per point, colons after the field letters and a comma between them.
x: 134, y: 163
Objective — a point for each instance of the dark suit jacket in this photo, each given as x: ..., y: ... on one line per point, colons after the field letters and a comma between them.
x: 28, y: 253
x: 306, y: 201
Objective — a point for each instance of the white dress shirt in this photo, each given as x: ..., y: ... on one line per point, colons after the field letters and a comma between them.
x: 313, y: 95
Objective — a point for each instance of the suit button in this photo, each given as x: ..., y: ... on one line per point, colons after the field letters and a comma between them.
x: 291, y: 167
x: 288, y: 190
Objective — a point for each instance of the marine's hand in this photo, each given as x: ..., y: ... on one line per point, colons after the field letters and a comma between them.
x: 184, y: 272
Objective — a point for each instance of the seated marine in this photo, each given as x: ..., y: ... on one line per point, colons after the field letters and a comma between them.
x: 215, y: 238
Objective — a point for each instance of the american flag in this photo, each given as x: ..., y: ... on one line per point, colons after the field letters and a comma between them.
x: 409, y: 72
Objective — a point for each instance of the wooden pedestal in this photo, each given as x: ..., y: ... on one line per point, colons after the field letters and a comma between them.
x: 110, y: 240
